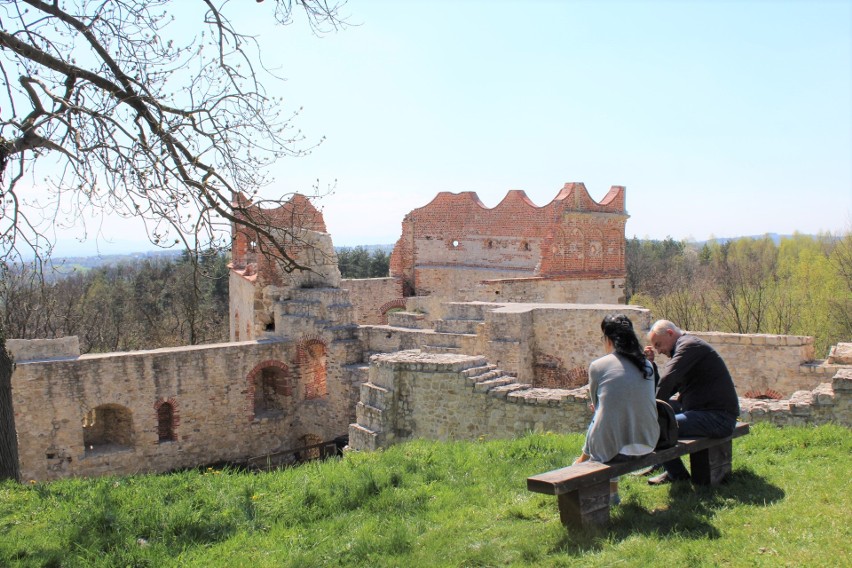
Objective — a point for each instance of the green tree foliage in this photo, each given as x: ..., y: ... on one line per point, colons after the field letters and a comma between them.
x: 149, y: 304
x: 359, y: 263
x: 801, y: 286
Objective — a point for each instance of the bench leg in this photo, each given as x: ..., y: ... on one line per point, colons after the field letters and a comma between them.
x: 588, y: 506
x: 711, y: 466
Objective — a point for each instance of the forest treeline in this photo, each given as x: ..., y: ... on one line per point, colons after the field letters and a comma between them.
x: 800, y: 286
x: 146, y: 304
x: 358, y: 262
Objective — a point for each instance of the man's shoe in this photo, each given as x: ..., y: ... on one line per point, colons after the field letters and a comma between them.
x: 664, y: 478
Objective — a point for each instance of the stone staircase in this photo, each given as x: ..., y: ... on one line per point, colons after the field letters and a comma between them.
x: 321, y: 311
x: 460, y: 327
x: 370, y: 429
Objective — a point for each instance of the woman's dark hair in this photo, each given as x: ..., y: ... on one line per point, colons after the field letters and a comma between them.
x: 619, y: 330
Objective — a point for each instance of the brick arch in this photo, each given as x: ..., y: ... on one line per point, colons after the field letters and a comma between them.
x: 387, y: 306
x: 764, y: 394
x: 549, y: 372
x: 312, y: 358
x: 168, y: 419
x: 273, y: 379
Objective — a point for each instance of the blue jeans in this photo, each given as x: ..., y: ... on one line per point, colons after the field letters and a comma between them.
x: 698, y: 424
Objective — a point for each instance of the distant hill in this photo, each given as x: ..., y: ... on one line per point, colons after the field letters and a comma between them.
x: 776, y: 238
x: 60, y: 267
x: 369, y: 248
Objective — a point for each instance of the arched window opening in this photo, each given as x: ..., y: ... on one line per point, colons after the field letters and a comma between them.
x: 314, y: 369
x: 107, y: 428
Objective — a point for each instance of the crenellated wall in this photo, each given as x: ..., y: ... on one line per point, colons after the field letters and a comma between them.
x: 452, y: 244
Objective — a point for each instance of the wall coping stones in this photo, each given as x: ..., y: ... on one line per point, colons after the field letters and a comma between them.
x: 32, y: 350
x: 754, y: 338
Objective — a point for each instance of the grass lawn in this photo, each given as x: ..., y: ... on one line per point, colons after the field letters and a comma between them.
x: 429, y: 504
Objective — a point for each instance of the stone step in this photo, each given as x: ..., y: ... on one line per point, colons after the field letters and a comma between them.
x: 485, y: 376
x: 446, y: 339
x: 369, y: 417
x: 473, y: 371
x: 345, y: 331
x: 464, y: 326
x: 486, y: 386
x: 374, y: 395
x: 441, y: 349
x: 503, y: 391
x: 468, y: 310
x: 300, y: 308
x: 408, y: 320
x: 323, y: 295
x: 364, y: 438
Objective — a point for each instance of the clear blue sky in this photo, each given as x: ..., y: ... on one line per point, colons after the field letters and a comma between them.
x: 721, y: 118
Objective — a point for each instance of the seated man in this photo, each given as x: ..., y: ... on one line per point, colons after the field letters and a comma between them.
x: 708, y: 404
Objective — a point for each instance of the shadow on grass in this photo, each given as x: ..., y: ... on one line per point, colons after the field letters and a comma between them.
x: 688, y: 514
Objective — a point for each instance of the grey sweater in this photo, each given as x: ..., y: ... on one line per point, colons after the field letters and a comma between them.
x: 625, y: 409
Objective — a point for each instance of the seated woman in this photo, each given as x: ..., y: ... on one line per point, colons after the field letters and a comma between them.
x: 622, y: 393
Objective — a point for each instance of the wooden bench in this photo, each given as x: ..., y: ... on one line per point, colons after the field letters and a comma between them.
x: 582, y: 490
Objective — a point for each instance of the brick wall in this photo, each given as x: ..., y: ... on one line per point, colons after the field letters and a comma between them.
x: 571, y: 236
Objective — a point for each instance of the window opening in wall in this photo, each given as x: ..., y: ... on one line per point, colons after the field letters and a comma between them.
x: 272, y: 392
x: 270, y: 326
x: 455, y: 244
x: 107, y: 428
x: 166, y: 423
x: 313, y: 365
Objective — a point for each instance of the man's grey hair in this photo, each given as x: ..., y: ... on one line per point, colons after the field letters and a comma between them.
x: 660, y: 326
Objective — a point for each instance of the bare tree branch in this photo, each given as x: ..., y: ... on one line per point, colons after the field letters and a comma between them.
x: 141, y: 124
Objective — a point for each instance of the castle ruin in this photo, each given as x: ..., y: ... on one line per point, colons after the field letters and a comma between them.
x: 485, y: 328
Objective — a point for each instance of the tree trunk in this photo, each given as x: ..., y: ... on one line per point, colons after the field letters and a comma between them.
x: 9, y: 467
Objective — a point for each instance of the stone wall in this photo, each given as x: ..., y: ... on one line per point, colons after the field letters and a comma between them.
x: 762, y: 364
x: 241, y: 306
x: 554, y: 290
x: 411, y: 394
x: 418, y: 395
x: 211, y: 397
x: 373, y: 297
x: 830, y: 401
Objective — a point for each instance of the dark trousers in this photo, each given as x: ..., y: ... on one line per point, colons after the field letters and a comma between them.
x: 698, y: 424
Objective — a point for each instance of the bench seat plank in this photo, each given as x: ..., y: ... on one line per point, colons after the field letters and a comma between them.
x: 571, y: 478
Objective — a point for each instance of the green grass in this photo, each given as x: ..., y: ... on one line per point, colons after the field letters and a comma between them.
x: 432, y: 504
